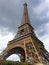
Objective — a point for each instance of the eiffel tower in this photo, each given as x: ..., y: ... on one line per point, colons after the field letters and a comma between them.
x: 25, y: 43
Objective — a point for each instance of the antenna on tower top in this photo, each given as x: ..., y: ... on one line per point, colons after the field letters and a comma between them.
x: 24, y: 1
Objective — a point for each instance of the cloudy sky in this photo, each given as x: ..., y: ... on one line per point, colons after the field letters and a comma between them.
x: 10, y: 17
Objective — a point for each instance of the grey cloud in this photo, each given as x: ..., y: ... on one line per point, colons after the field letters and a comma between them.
x: 11, y: 13
x: 10, y: 16
x: 35, y: 2
x: 1, y: 49
x: 41, y: 30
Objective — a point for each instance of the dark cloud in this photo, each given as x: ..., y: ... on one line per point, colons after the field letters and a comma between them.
x: 11, y: 13
x: 35, y: 3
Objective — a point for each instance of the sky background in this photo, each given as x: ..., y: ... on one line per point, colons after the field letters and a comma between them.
x: 10, y: 18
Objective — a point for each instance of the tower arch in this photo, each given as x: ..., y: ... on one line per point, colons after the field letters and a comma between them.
x: 16, y: 50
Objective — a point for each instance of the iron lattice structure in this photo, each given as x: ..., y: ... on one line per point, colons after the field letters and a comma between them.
x: 25, y: 43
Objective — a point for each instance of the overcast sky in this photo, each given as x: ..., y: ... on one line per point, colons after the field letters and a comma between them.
x: 10, y: 18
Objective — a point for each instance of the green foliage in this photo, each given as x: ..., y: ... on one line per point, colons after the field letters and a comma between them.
x: 20, y: 63
x: 23, y: 64
x: 17, y: 63
x: 4, y: 62
x: 8, y: 63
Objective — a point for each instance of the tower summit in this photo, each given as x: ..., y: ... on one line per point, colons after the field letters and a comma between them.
x: 25, y: 17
